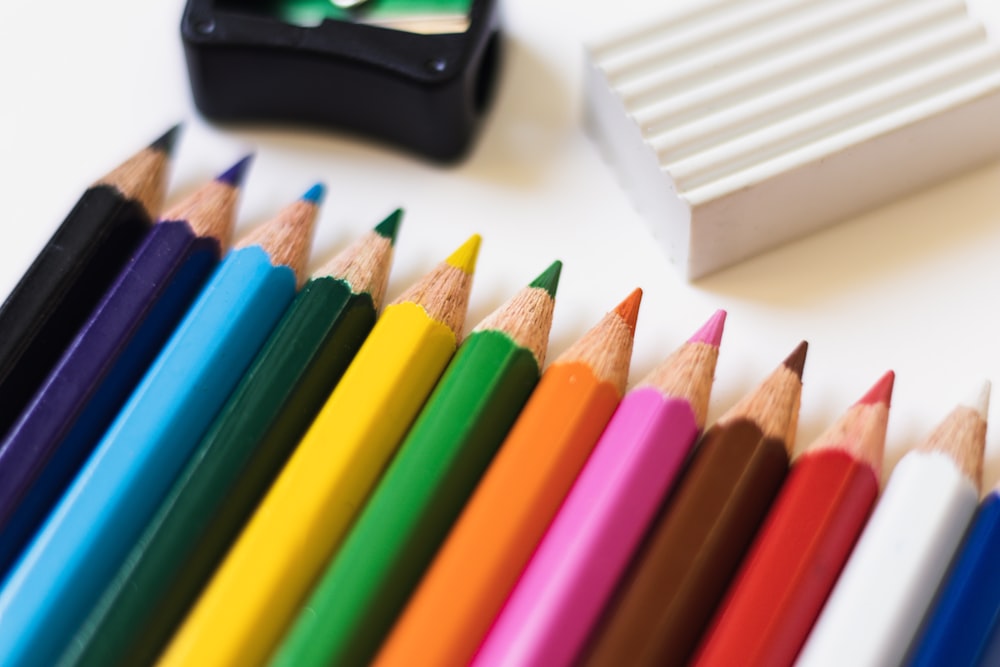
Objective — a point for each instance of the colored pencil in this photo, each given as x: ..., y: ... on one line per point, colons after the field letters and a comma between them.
x: 78, y: 400
x: 962, y: 628
x: 428, y: 482
x: 249, y: 602
x: 66, y: 280
x: 884, y: 591
x: 694, y: 547
x: 95, y: 524
x: 804, y: 542
x: 238, y: 458
x: 494, y: 537
x: 575, y: 568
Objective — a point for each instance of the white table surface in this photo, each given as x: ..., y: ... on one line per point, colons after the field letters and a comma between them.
x: 912, y: 286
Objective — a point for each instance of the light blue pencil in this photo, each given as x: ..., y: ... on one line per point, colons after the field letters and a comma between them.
x: 82, y: 543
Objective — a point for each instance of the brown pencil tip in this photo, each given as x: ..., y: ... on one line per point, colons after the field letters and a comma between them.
x: 796, y: 361
x: 628, y: 309
x: 880, y: 392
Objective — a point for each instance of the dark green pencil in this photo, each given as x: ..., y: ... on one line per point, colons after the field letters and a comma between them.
x: 425, y: 487
x: 238, y: 458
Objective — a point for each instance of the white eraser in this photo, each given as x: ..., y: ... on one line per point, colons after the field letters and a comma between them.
x: 736, y: 127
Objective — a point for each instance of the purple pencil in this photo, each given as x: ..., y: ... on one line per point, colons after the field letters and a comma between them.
x: 77, y: 401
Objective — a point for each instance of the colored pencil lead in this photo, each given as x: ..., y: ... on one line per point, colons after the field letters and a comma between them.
x: 142, y: 177
x: 364, y: 265
x: 444, y: 293
x: 774, y: 405
x: 962, y: 436
x: 210, y: 210
x: 861, y: 430
x: 527, y: 317
x: 682, y: 375
x: 288, y: 236
x: 389, y: 227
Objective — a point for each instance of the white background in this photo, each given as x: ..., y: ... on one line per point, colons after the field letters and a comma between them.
x: 913, y: 286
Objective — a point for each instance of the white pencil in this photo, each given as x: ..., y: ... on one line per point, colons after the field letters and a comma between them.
x: 890, y: 579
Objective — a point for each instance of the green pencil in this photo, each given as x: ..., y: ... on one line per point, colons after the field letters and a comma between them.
x: 425, y: 487
x: 238, y: 458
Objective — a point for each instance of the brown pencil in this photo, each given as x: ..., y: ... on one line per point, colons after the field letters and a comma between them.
x: 695, y: 546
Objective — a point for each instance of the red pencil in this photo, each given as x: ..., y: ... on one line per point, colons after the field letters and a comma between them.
x: 804, y: 543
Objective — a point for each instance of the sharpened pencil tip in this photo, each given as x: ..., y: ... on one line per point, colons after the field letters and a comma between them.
x: 548, y: 280
x: 235, y: 174
x: 710, y: 333
x: 315, y: 194
x: 465, y: 257
x: 981, y: 401
x: 389, y: 227
x: 796, y: 361
x: 628, y: 309
x: 166, y: 142
x: 881, y: 391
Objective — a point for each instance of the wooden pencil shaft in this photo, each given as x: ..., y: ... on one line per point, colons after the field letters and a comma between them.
x: 693, y: 549
x: 505, y: 519
x: 75, y: 554
x: 415, y: 504
x: 61, y: 287
x: 228, y: 473
x: 962, y: 628
x: 92, y: 380
x: 791, y: 567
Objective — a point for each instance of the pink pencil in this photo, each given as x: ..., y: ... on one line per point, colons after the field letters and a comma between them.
x: 561, y: 593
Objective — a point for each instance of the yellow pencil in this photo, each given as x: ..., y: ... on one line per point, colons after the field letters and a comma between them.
x: 250, y: 601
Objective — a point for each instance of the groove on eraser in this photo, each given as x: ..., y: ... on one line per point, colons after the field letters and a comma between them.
x: 738, y: 126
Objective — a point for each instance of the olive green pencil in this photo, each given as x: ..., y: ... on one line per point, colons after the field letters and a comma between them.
x: 426, y: 485
x: 238, y: 458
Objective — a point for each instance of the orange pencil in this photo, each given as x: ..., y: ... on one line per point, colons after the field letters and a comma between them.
x: 478, y: 565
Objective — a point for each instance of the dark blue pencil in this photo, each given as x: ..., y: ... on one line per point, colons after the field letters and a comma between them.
x: 963, y: 625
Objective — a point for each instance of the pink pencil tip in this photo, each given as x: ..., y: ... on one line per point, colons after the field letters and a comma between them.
x: 710, y: 333
x: 881, y: 391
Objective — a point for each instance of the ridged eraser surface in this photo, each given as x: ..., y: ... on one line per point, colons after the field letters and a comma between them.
x: 738, y: 126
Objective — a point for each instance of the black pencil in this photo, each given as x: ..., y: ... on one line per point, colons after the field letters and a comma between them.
x: 67, y: 279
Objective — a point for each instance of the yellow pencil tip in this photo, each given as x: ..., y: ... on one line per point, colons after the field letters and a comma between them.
x: 465, y: 257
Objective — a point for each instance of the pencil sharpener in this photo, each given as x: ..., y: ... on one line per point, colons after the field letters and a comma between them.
x: 418, y: 74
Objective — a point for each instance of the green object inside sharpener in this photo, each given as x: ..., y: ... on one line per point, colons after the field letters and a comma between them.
x: 419, y: 16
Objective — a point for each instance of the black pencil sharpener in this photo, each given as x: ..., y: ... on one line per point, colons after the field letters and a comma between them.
x: 418, y: 74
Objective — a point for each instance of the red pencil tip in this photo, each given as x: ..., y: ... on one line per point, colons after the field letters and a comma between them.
x: 881, y: 391
x: 710, y: 333
x: 628, y: 309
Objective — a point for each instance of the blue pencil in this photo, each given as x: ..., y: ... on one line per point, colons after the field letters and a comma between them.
x: 95, y: 376
x: 963, y: 626
x: 58, y: 578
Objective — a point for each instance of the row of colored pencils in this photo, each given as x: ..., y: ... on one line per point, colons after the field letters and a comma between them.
x: 209, y: 458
